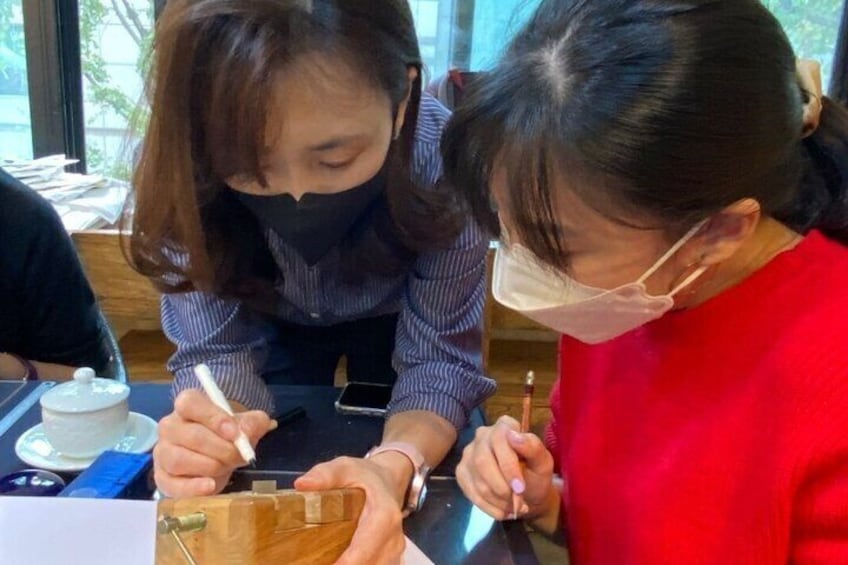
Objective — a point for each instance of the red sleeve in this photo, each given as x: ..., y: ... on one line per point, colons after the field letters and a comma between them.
x: 552, y: 429
x: 821, y: 514
x: 820, y: 504
x: 551, y: 436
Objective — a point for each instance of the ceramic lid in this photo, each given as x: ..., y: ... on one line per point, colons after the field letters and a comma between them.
x: 86, y: 393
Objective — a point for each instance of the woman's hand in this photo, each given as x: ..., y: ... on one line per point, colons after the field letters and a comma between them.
x: 379, y: 537
x: 490, y: 471
x: 195, y: 455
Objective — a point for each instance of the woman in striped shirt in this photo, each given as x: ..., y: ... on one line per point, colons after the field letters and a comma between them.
x: 287, y: 205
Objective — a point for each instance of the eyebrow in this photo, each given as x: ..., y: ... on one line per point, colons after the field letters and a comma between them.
x: 336, y: 142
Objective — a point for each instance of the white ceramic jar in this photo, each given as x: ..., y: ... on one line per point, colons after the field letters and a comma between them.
x: 85, y: 417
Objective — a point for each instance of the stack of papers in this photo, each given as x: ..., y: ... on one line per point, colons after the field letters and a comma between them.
x: 82, y: 201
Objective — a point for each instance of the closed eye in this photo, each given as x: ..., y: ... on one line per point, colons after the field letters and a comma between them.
x: 336, y: 165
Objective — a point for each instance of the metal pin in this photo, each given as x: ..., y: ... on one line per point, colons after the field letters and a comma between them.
x: 188, y: 523
x: 173, y: 525
x: 183, y: 548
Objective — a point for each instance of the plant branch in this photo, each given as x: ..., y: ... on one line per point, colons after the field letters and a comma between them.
x: 126, y: 23
x: 133, y: 15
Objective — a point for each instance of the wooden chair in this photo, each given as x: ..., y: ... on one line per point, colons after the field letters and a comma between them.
x: 127, y: 298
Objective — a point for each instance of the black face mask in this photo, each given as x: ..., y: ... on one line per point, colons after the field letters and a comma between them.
x: 316, y: 223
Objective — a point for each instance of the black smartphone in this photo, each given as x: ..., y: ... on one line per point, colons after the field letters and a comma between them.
x: 368, y: 399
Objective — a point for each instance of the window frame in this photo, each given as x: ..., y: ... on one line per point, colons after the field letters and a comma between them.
x: 54, y: 74
x: 54, y: 71
x: 838, y: 88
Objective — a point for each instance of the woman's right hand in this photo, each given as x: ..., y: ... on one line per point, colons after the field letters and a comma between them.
x: 195, y: 455
x: 490, y: 471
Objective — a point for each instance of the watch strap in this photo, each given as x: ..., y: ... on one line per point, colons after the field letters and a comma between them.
x: 420, y: 470
x: 411, y: 452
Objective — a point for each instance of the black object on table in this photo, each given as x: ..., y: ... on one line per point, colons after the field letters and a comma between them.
x: 325, y: 434
x: 290, y: 416
x: 448, y: 529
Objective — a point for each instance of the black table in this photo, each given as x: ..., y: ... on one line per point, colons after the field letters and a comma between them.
x: 16, y: 398
x: 449, y: 529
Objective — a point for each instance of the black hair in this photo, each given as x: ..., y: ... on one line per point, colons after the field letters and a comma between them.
x: 671, y: 109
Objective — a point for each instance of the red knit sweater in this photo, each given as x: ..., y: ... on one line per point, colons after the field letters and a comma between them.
x: 717, y: 434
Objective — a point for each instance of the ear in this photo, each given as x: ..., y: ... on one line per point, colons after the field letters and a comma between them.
x: 724, y: 233
x: 411, y: 74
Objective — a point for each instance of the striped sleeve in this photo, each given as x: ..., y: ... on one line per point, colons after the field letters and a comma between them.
x: 207, y: 329
x: 438, y: 354
x: 438, y: 348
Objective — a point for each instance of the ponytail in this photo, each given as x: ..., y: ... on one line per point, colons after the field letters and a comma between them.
x: 823, y: 197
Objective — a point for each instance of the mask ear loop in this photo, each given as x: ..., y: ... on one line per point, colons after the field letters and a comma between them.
x: 674, y: 248
x: 690, y: 279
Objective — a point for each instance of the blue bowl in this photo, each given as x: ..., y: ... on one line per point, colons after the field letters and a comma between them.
x: 31, y: 482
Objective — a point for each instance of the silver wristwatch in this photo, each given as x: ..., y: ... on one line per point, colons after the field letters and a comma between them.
x: 417, y: 490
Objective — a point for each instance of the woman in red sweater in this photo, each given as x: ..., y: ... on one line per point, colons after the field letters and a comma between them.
x: 674, y: 203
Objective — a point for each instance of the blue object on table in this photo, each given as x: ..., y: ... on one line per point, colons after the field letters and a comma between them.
x: 113, y: 475
x: 31, y: 482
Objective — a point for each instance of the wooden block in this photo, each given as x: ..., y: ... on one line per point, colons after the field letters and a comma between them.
x: 329, y: 506
x: 282, y: 527
x: 264, y: 487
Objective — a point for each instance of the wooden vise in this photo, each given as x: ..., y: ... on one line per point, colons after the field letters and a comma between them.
x: 262, y: 526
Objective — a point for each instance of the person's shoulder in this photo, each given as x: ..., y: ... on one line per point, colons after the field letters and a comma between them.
x: 433, y: 116
x: 821, y: 245
x: 820, y: 278
x: 21, y: 208
x: 29, y: 226
x: 811, y: 349
x: 426, y: 152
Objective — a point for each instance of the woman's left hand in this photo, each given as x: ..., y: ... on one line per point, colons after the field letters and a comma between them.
x: 379, y: 537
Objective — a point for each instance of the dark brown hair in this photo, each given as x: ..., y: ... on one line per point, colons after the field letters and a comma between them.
x: 673, y: 110
x: 210, y: 89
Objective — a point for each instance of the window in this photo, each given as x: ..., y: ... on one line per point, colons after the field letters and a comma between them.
x: 467, y: 34
x: 71, y: 71
x: 15, y: 122
x: 114, y: 39
x: 812, y: 26
x: 433, y: 22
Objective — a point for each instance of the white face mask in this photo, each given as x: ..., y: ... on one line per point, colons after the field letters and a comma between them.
x: 589, y: 314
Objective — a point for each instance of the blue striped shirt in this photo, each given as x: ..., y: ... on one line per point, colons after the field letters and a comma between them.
x: 440, y: 301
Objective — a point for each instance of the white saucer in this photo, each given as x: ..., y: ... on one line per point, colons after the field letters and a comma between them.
x: 34, y: 449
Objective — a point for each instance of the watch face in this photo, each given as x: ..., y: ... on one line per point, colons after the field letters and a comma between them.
x: 422, y: 496
x: 417, y: 493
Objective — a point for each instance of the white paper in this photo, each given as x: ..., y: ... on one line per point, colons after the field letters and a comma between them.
x: 107, y: 201
x: 75, y: 220
x: 83, y: 201
x: 412, y: 555
x: 77, y: 531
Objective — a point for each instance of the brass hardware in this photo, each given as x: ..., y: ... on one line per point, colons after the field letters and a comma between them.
x: 173, y: 525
